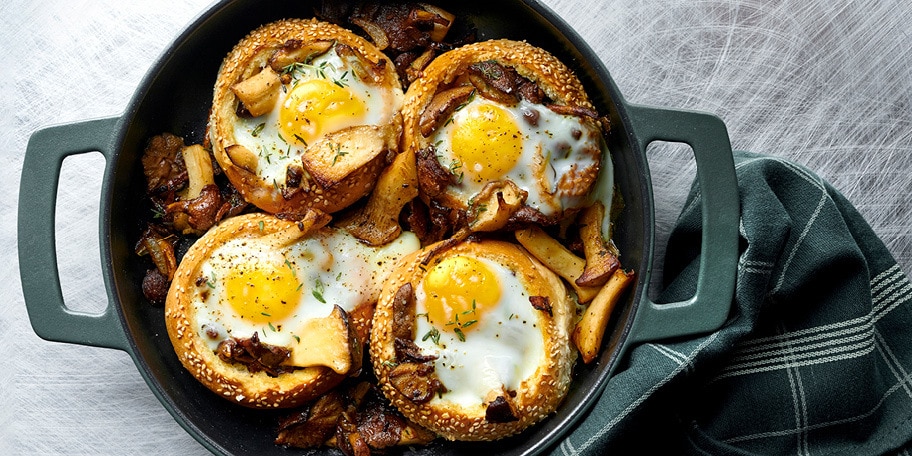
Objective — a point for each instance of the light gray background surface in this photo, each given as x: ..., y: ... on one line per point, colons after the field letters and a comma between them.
x: 825, y: 83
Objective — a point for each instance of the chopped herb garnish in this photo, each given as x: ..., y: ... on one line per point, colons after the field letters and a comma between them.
x: 459, y: 334
x: 337, y: 148
x: 299, y: 138
x: 265, y: 314
x: 296, y: 338
x: 318, y: 291
x: 294, y: 273
x: 262, y: 225
x: 466, y: 103
x: 256, y: 130
x: 272, y: 327
x: 341, y: 82
x: 265, y: 154
x: 211, y: 281
x: 456, y: 170
x: 432, y: 334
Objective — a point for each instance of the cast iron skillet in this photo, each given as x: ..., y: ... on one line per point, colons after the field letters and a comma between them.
x: 175, y: 97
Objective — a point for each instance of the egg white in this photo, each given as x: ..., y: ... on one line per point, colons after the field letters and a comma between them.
x: 504, y: 348
x: 261, y: 135
x: 332, y: 267
x: 550, y: 142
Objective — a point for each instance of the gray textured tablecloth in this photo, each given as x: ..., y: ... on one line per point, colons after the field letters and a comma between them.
x: 827, y: 84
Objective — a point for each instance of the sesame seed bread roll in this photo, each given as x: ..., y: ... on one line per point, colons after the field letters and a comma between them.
x: 187, y: 320
x: 305, y: 115
x: 509, y: 115
x: 270, y: 313
x: 471, y: 340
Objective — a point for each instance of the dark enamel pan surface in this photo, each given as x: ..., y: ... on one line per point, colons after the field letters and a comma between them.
x: 175, y: 97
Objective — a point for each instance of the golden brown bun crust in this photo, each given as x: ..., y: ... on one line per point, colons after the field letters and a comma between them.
x: 233, y: 381
x: 537, y: 397
x: 558, y: 82
x: 245, y: 60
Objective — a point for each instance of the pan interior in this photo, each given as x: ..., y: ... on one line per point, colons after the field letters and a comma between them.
x: 175, y: 97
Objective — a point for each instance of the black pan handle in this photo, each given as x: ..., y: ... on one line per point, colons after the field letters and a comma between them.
x: 708, y: 309
x: 44, y: 155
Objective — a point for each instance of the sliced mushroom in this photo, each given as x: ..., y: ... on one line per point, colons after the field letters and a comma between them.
x: 195, y: 216
x: 376, y: 33
x: 295, y: 51
x: 200, y: 171
x: 416, y: 67
x: 441, y: 18
x: 577, y: 111
x: 542, y: 303
x: 333, y: 157
x: 502, y: 78
x: 159, y: 245
x: 601, y: 262
x: 309, y: 222
x: 433, y: 178
x: 330, y: 341
x: 377, y: 222
x: 255, y: 355
x: 260, y: 92
x: 416, y: 381
x: 199, y: 203
x: 500, y: 411
x: 363, y: 69
x: 407, y: 351
x: 492, y: 208
x: 162, y: 165
x: 242, y: 157
x: 314, y: 425
x: 442, y: 106
x: 404, y: 312
x: 294, y: 177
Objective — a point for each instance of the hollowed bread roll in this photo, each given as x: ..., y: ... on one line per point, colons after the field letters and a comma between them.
x: 269, y: 313
x: 305, y: 115
x: 503, y: 116
x: 471, y: 339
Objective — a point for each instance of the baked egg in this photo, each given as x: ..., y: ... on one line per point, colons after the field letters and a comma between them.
x: 472, y: 341
x: 307, y: 297
x: 506, y: 117
x: 316, y: 99
x: 487, y: 141
x: 305, y: 115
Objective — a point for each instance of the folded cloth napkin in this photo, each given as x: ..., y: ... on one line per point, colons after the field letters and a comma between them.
x: 815, y: 358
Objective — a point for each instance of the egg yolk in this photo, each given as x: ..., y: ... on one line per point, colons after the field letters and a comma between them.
x: 459, y: 290
x: 316, y: 107
x: 262, y: 293
x: 486, y: 141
